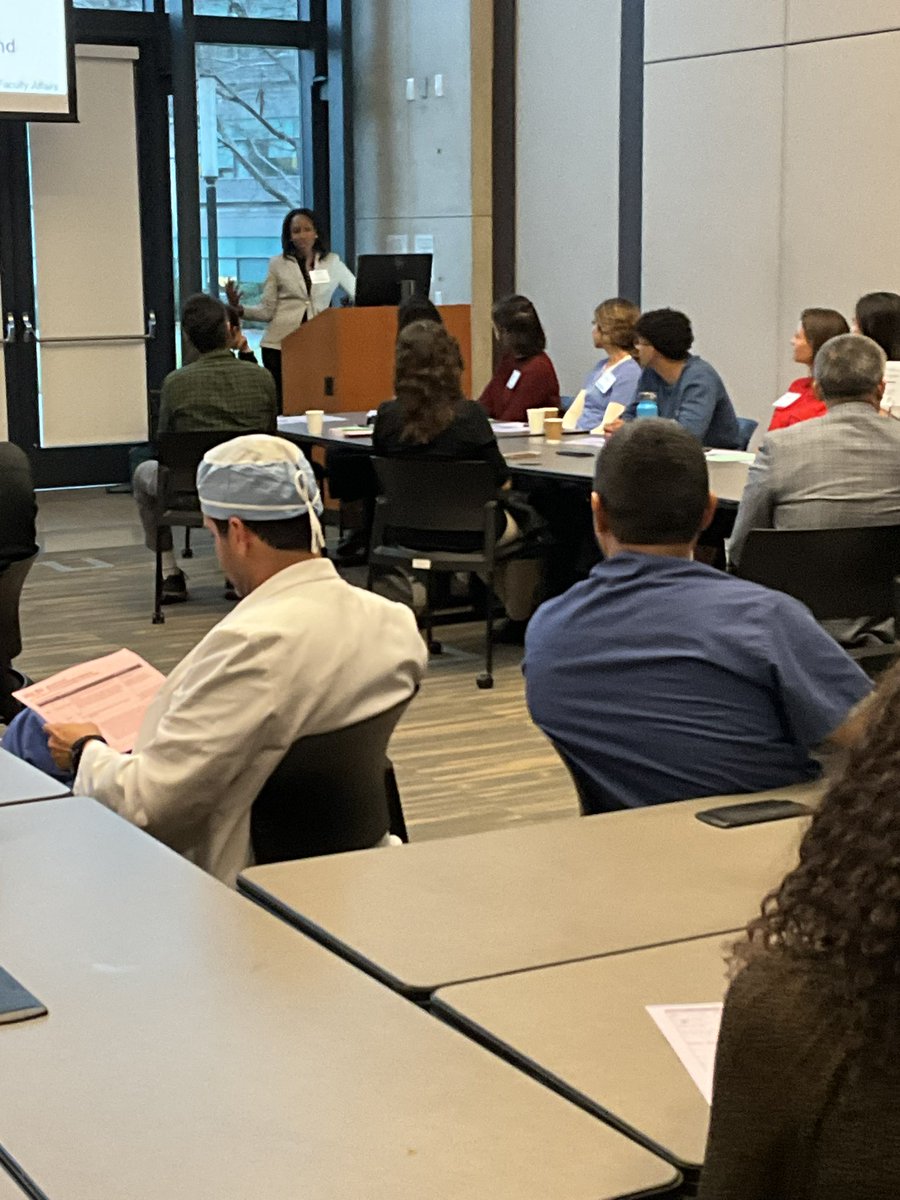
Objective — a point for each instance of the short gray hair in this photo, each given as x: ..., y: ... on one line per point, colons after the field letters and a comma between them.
x: 849, y: 366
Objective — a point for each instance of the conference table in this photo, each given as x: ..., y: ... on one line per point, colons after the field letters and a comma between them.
x: 529, y: 457
x: 194, y: 1046
x: 20, y: 782
x: 429, y: 914
x: 9, y: 1189
x: 584, y: 1030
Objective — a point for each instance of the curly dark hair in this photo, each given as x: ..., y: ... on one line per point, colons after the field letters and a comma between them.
x: 840, y: 908
x: 427, y: 380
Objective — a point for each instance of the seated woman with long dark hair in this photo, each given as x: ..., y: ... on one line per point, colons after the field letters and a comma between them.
x: 524, y: 377
x: 430, y: 418
x: 807, y: 1071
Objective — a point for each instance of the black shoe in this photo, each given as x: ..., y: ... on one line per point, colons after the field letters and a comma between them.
x: 230, y: 592
x: 354, y: 549
x: 174, y: 589
x: 510, y: 633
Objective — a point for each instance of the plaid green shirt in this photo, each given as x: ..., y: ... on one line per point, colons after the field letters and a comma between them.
x: 217, y: 391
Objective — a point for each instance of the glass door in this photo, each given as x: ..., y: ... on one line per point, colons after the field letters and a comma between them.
x: 84, y: 311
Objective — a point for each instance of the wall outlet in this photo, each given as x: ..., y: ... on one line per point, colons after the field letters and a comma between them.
x: 438, y: 85
x: 423, y: 243
x: 410, y: 89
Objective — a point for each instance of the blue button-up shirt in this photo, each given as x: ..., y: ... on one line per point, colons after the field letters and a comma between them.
x: 658, y: 679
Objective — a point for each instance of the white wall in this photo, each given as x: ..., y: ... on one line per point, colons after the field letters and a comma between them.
x: 567, y: 176
x: 413, y: 157
x: 770, y: 182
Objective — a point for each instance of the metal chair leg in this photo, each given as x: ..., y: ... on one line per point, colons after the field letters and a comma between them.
x: 187, y: 552
x: 486, y: 679
x: 158, y: 618
x: 434, y: 647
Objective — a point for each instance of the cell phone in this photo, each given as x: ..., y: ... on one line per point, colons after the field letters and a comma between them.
x: 16, y: 1002
x: 578, y: 453
x: 752, y: 813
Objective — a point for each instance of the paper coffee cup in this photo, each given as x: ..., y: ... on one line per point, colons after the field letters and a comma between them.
x: 535, y: 419
x: 553, y: 429
x: 315, y: 420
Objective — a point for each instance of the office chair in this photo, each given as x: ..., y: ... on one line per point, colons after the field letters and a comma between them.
x: 746, y: 429
x: 839, y: 574
x: 177, y: 503
x: 331, y: 792
x: 431, y: 503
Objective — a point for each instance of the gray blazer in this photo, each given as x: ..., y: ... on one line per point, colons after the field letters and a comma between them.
x: 834, y: 471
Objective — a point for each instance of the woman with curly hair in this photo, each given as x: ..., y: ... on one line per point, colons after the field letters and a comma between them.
x: 807, y: 1071
x: 430, y: 418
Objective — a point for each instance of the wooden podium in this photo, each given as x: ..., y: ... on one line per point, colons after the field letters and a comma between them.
x: 343, y: 359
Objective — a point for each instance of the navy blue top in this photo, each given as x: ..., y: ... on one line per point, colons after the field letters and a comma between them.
x: 661, y: 679
x: 698, y: 401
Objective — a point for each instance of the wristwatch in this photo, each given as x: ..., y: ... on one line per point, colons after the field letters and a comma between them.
x: 78, y: 748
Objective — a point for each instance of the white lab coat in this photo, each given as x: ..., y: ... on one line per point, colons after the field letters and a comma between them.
x: 304, y: 653
x: 285, y: 299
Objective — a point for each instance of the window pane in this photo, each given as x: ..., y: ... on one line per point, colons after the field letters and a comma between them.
x: 129, y: 5
x: 252, y: 173
x: 274, y: 10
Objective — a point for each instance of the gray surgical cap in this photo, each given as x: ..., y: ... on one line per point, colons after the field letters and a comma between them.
x: 257, y: 478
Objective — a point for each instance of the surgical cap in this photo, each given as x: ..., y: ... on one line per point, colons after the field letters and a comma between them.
x: 257, y: 478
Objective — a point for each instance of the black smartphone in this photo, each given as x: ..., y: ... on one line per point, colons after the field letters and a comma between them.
x: 16, y: 1002
x: 573, y: 453
x: 752, y: 813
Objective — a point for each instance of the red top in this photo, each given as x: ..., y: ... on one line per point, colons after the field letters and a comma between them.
x: 535, y: 387
x: 806, y: 405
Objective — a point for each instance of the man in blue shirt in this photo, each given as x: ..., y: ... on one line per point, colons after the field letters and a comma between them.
x: 687, y: 389
x: 659, y: 678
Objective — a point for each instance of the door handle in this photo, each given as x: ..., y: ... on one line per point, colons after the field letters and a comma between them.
x: 10, y: 334
x: 28, y: 335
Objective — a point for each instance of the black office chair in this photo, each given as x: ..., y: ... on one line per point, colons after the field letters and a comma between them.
x: 177, y: 503
x: 839, y: 574
x: 332, y: 792
x: 746, y: 429
x: 431, y: 503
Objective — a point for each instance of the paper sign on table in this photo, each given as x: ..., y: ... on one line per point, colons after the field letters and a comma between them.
x: 692, y: 1031
x: 113, y: 692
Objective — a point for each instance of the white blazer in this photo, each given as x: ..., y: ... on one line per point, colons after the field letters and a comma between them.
x: 304, y: 653
x: 286, y: 301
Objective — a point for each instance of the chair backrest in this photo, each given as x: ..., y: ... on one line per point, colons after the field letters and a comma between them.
x: 837, y: 573
x: 179, y: 455
x: 431, y: 495
x: 746, y: 429
x: 328, y: 794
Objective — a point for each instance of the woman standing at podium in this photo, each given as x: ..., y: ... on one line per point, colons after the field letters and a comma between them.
x: 300, y: 284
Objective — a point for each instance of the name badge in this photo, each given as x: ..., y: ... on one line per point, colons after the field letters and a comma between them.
x: 786, y: 400
x: 319, y: 275
x: 513, y: 379
x: 605, y: 382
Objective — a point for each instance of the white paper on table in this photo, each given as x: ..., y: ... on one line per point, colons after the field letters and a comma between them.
x: 736, y: 456
x: 589, y: 439
x: 297, y: 424
x: 692, y: 1030
x: 112, y: 692
x: 506, y: 428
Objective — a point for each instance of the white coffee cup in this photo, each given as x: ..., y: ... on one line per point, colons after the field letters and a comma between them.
x: 315, y: 420
x: 535, y: 419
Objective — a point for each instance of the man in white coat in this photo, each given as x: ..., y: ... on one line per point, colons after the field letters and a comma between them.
x: 303, y: 653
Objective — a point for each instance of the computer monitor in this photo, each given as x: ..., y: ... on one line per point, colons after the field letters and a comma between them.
x: 391, y: 278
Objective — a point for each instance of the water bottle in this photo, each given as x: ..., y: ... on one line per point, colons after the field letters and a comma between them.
x: 646, y: 405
